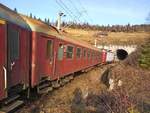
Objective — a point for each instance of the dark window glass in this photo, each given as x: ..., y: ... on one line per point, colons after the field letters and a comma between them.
x: 78, y: 52
x: 91, y: 55
x: 60, y: 52
x: 69, y: 52
x: 84, y: 53
x: 95, y: 55
x: 13, y: 37
x: 49, y: 51
x: 88, y: 54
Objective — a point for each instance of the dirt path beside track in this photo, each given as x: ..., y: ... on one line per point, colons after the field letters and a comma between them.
x: 60, y: 100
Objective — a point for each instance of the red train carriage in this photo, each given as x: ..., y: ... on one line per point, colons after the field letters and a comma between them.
x: 14, y: 53
x: 36, y: 54
x: 76, y: 56
x: 54, y: 56
x: 43, y: 51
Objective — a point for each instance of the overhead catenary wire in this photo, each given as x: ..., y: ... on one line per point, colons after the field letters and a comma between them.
x: 65, y: 10
x: 84, y: 9
x: 75, y: 18
x: 68, y: 11
x: 80, y: 13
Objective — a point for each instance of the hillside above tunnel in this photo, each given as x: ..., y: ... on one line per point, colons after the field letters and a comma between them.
x: 116, y: 38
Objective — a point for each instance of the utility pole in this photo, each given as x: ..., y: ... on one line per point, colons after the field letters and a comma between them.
x: 60, y: 14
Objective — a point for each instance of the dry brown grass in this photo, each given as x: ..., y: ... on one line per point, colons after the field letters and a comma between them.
x: 112, y: 38
x: 61, y: 100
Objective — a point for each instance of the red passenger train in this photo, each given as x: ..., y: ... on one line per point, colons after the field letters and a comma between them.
x: 35, y: 55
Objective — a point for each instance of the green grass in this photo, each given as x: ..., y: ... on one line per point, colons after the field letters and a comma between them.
x: 144, y: 59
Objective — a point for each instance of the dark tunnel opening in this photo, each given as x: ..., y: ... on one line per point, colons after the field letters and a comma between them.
x: 122, y: 54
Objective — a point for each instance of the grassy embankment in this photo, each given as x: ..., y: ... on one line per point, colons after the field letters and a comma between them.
x: 112, y: 38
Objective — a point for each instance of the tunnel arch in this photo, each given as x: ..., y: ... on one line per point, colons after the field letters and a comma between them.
x: 121, y: 54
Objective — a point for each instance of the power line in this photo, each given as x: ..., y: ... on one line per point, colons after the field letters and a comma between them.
x: 77, y: 10
x: 67, y: 10
x: 64, y: 9
x: 81, y: 5
x: 65, y: 6
x: 75, y: 18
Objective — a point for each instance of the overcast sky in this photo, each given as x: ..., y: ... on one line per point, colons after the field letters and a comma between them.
x: 101, y: 12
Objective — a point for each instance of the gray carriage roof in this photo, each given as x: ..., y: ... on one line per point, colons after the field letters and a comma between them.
x: 11, y: 16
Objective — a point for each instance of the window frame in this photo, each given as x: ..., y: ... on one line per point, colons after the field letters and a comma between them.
x: 80, y: 54
x: 58, y: 52
x: 85, y: 53
x: 50, y: 55
x: 88, y: 54
x: 69, y: 45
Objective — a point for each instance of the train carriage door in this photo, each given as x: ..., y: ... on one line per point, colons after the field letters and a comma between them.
x: 50, y: 56
x: 60, y: 56
x: 13, y: 54
x: 16, y: 58
x: 3, y: 65
x: 45, y: 57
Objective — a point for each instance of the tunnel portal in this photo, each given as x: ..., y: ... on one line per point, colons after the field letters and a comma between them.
x: 122, y: 54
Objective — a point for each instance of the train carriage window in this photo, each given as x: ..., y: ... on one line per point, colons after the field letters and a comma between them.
x: 13, y: 36
x: 78, y: 53
x: 96, y: 55
x: 88, y: 54
x: 69, y: 52
x: 49, y: 48
x: 84, y: 53
x: 93, y: 55
x: 60, y: 52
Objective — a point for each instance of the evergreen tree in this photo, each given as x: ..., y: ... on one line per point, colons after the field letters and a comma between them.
x: 39, y: 19
x: 48, y: 22
x: 45, y: 20
x: 34, y: 17
x: 30, y: 15
x: 15, y: 9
